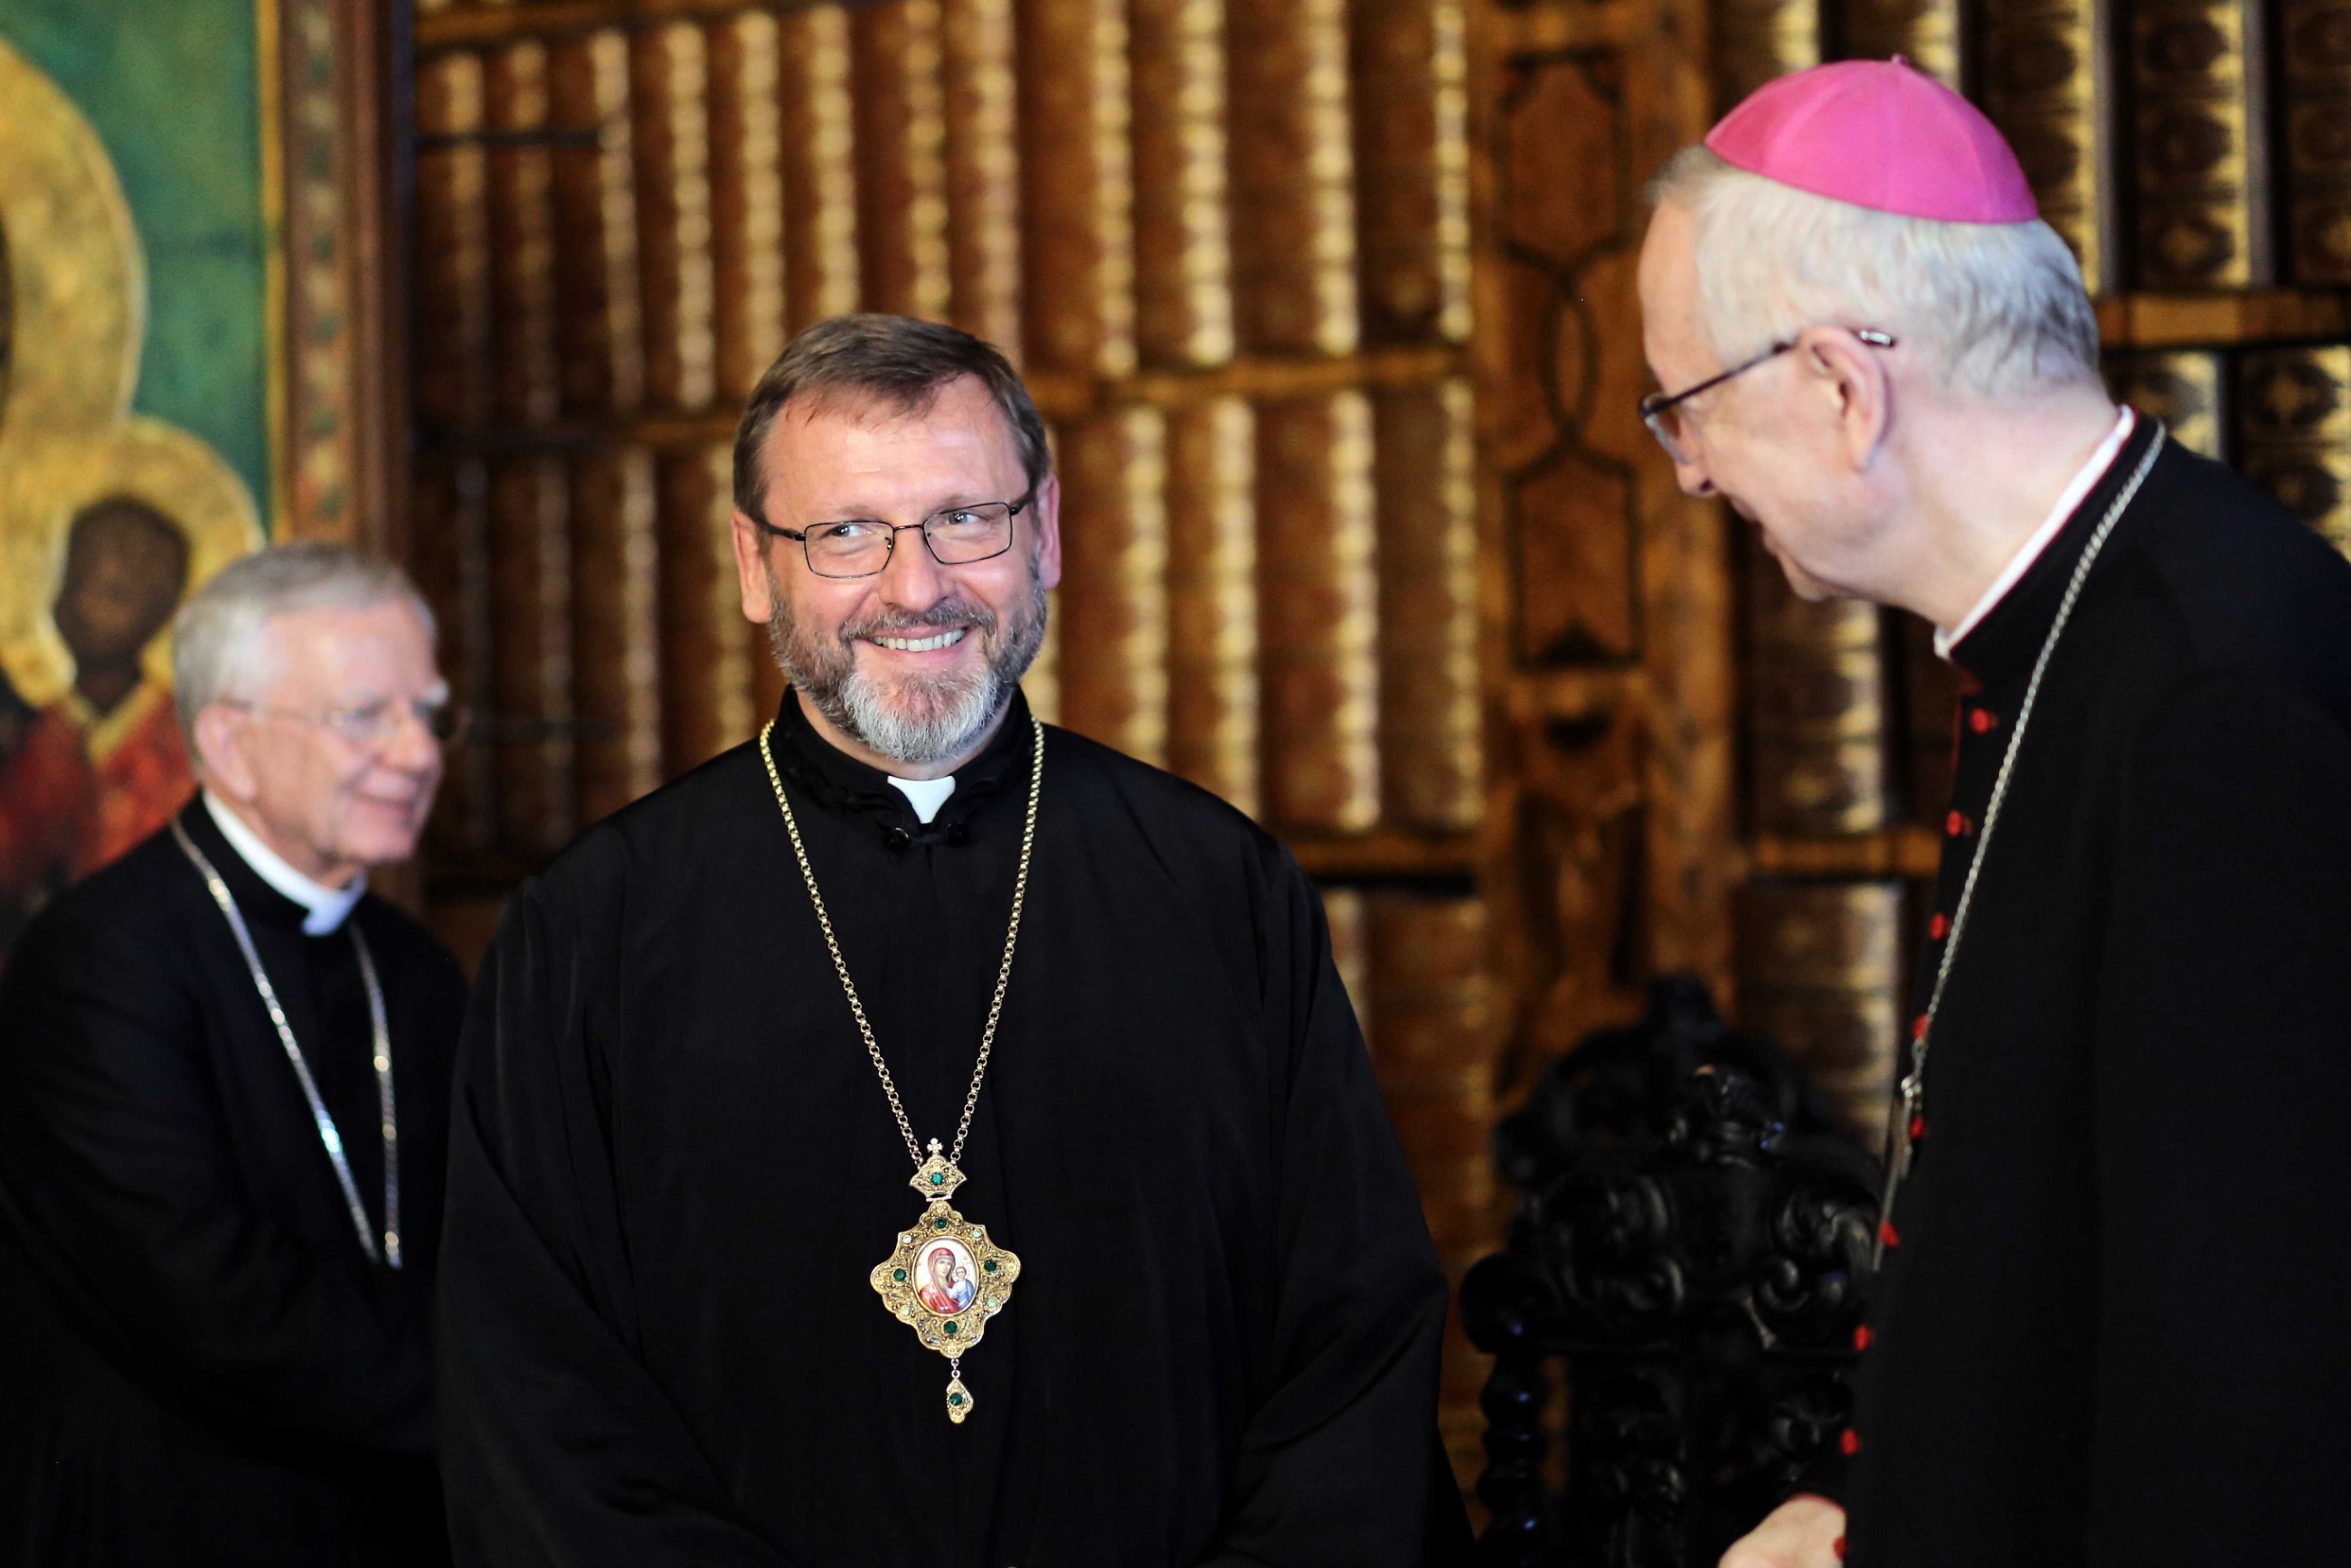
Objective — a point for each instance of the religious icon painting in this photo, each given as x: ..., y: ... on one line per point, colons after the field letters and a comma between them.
x: 110, y: 511
x: 177, y: 377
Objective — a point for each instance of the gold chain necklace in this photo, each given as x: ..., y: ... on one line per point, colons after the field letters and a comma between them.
x: 946, y: 1279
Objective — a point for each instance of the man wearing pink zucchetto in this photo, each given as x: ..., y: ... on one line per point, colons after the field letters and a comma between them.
x: 2112, y: 1319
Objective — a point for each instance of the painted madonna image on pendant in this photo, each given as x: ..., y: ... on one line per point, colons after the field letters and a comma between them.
x: 949, y: 1282
x: 946, y: 1279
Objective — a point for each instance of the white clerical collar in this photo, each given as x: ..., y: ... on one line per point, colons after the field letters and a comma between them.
x: 925, y: 795
x: 327, y: 907
x: 2030, y: 551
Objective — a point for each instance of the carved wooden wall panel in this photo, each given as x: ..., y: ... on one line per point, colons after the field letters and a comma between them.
x: 1607, y: 594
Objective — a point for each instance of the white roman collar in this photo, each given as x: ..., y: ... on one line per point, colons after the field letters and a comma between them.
x: 925, y: 795
x: 2030, y: 551
x: 327, y: 907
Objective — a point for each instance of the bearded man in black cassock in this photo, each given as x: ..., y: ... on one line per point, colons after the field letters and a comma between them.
x: 912, y: 975
x: 2108, y: 1327
x: 225, y: 1074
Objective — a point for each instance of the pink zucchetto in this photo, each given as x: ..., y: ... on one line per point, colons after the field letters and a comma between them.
x: 1878, y: 134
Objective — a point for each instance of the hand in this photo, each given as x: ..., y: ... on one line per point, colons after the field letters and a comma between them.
x: 1802, y: 1532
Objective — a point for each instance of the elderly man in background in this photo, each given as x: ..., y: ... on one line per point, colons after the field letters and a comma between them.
x: 224, y: 1105
x: 2107, y: 1323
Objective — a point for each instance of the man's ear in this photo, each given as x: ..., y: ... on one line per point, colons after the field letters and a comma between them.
x: 220, y: 755
x: 750, y: 568
x: 1852, y: 376
x: 1047, y: 510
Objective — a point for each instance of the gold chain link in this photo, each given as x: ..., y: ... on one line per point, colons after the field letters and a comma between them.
x: 841, y: 964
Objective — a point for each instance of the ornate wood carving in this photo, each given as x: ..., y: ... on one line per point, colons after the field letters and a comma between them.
x: 1693, y: 1241
x: 336, y: 379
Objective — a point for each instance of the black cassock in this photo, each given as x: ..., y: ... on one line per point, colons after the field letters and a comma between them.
x: 2114, y: 1327
x: 674, y: 1170
x: 198, y: 1364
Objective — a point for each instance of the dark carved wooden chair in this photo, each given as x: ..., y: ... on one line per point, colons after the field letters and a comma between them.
x: 1692, y: 1242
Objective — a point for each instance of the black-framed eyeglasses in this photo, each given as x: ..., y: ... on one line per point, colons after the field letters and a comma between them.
x: 371, y: 726
x: 1660, y: 413
x: 861, y: 546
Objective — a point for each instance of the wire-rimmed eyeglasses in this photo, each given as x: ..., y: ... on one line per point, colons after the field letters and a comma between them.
x: 861, y: 546
x: 1659, y: 411
x: 370, y: 726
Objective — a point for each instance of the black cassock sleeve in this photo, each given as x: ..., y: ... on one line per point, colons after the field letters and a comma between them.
x: 118, y: 1169
x: 557, y: 1447
x: 2223, y: 1064
x: 1339, y: 1466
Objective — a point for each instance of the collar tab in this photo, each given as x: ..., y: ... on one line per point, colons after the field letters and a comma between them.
x: 324, y: 908
x: 843, y: 785
x: 924, y: 795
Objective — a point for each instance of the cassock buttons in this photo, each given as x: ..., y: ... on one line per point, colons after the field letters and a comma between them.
x: 1918, y: 1129
x: 1982, y: 720
x: 1850, y: 1443
x: 1938, y: 928
x: 1956, y: 824
x: 958, y: 832
x: 896, y: 838
x: 1886, y: 1234
x: 1862, y: 1336
x: 1919, y: 1026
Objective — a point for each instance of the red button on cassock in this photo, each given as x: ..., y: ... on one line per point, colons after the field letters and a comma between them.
x: 1861, y: 1337
x: 1955, y: 823
x: 1849, y: 1442
x: 1981, y: 721
x: 1919, y: 1026
x: 1938, y: 928
x: 1918, y: 1129
x: 1887, y: 1234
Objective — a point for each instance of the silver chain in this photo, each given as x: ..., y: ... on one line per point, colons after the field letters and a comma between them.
x: 380, y: 1028
x: 841, y: 964
x: 1914, y: 1084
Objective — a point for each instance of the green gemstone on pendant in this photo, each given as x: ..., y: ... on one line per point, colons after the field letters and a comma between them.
x: 938, y: 1225
x: 990, y: 1265
x: 948, y: 1328
x: 938, y: 1178
x: 954, y: 1399
x: 900, y: 1274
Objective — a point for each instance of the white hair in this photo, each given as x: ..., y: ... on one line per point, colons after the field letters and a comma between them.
x: 1996, y: 310
x: 219, y: 647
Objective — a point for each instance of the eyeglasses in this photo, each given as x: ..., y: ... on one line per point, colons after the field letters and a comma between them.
x: 861, y: 546
x: 372, y: 727
x: 1660, y: 411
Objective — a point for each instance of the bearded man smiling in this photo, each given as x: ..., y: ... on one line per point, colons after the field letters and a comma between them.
x: 709, y: 1042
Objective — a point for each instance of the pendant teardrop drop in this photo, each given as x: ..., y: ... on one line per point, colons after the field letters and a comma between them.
x: 958, y: 1400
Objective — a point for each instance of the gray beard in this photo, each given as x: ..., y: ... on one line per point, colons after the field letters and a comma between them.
x: 927, y: 719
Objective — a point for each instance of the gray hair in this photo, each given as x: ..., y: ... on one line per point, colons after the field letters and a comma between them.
x: 897, y: 361
x: 1997, y: 311
x: 217, y: 639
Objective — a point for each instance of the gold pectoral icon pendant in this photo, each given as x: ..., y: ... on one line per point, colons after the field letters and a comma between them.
x: 946, y: 1279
